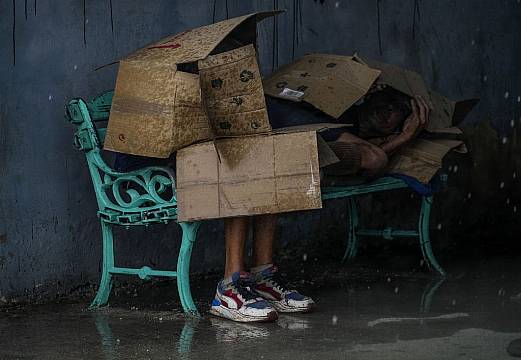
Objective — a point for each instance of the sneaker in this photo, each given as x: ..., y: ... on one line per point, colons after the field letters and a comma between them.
x: 237, y: 301
x: 270, y: 287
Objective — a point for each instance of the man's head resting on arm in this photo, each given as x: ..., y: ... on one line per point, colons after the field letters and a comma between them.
x: 383, y: 112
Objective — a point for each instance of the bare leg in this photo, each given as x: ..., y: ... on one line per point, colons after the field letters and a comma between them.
x: 235, y: 231
x: 264, y: 235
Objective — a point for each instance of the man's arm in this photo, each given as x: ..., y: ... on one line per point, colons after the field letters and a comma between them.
x: 412, y: 126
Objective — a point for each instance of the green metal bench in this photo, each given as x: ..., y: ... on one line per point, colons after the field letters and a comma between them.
x: 138, y: 198
x: 151, y: 199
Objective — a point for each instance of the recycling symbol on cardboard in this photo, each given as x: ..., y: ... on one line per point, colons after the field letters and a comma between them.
x: 246, y: 75
x: 217, y: 83
x: 237, y: 100
x: 225, y: 125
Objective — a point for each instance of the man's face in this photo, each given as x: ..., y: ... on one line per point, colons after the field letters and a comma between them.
x: 384, y: 114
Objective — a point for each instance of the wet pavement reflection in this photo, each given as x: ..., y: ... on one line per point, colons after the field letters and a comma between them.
x: 470, y: 315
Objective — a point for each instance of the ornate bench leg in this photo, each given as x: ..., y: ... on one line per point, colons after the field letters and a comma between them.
x: 105, y: 285
x: 183, y: 266
x: 425, y: 241
x: 352, y: 240
x: 428, y: 293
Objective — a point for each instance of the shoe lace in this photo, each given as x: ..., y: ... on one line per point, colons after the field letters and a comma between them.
x: 275, y: 280
x: 245, y: 288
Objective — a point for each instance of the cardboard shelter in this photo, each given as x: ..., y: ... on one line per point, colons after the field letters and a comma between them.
x: 331, y: 83
x: 158, y: 106
x: 255, y: 174
x: 273, y: 174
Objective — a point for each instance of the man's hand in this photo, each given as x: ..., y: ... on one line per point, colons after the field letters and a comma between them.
x: 418, y: 120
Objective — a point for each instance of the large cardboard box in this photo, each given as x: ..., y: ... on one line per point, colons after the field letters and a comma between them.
x: 249, y: 175
x: 331, y: 83
x: 158, y: 106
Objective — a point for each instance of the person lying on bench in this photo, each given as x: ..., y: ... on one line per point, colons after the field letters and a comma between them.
x: 386, y: 121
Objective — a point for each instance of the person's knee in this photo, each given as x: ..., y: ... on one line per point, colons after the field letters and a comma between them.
x: 374, y: 160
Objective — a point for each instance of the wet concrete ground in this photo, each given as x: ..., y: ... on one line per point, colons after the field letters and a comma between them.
x: 364, y: 313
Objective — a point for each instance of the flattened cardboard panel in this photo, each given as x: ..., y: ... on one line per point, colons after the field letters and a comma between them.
x: 326, y: 156
x: 266, y: 179
x: 461, y: 110
x: 251, y: 197
x: 297, y: 191
x: 298, y: 177
x: 422, y: 158
x: 441, y: 113
x: 322, y: 78
x: 232, y: 93
x: 200, y: 202
x: 250, y: 157
x: 197, y: 182
x: 404, y: 80
x: 140, y: 120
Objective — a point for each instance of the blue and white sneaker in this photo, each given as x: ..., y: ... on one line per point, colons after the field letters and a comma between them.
x: 269, y: 285
x: 237, y: 301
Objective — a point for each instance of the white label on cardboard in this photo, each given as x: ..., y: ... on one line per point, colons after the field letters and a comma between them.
x: 291, y: 94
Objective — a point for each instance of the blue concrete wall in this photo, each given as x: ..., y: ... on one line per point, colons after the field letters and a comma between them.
x: 49, y: 235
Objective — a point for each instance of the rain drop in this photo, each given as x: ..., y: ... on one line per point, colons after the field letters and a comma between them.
x: 50, y: 97
x: 439, y: 226
x: 504, y: 140
x: 422, y: 262
x: 515, y: 208
x: 501, y: 184
x: 508, y: 201
x: 334, y: 319
x: 453, y: 302
x: 507, y: 94
x: 512, y: 123
x: 337, y: 4
x: 501, y: 292
x: 485, y: 78
x: 75, y: 67
x: 469, y: 195
x: 514, y: 175
x: 304, y: 257
x: 450, y: 168
x: 388, y: 279
x: 455, y: 169
x: 473, y: 42
x: 518, y: 98
x: 396, y: 290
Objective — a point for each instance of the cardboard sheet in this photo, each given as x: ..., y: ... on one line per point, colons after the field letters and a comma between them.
x: 331, y: 83
x: 274, y: 173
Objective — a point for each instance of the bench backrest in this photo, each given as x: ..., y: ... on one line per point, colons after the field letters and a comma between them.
x: 148, y: 189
